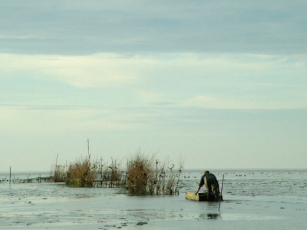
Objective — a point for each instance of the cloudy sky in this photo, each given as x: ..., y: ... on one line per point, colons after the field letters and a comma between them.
x: 221, y: 84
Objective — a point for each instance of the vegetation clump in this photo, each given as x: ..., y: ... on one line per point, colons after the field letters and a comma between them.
x: 139, y: 175
x: 81, y: 173
x: 145, y: 175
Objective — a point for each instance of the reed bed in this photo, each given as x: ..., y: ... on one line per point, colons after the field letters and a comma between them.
x: 110, y: 175
x: 60, y: 173
x: 145, y: 175
x: 81, y: 173
x: 139, y: 175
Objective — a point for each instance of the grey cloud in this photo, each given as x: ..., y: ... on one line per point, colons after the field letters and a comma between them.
x: 86, y: 27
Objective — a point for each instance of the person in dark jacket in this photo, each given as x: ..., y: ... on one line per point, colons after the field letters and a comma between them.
x: 211, y: 183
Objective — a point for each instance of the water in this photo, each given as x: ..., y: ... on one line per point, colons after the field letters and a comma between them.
x: 253, y: 200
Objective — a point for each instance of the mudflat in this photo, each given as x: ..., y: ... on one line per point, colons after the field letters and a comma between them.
x: 252, y: 200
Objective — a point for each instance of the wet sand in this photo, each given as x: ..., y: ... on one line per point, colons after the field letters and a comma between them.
x: 52, y: 206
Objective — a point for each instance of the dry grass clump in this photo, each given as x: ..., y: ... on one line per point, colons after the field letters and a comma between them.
x: 81, y: 173
x: 145, y: 175
x: 139, y: 175
x: 86, y: 173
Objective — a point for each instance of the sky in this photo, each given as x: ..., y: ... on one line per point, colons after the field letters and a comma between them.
x: 215, y: 84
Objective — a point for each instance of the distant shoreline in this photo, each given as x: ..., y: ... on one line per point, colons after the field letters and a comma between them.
x: 188, y: 169
x: 184, y: 170
x: 246, y: 169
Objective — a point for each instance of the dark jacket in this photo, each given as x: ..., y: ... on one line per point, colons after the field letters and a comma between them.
x: 210, y: 177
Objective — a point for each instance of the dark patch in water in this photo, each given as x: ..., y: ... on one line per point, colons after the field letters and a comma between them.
x: 210, y: 216
x: 141, y: 223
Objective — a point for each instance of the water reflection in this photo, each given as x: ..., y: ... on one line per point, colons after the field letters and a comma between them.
x: 210, y: 216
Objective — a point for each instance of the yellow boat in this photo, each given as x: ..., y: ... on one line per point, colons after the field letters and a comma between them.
x: 201, y: 197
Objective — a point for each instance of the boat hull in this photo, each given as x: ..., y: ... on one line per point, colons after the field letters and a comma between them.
x: 200, y: 197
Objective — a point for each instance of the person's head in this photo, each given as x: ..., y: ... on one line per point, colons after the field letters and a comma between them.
x: 207, y: 172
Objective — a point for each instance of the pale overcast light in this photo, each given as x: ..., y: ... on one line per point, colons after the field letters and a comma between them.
x: 222, y: 84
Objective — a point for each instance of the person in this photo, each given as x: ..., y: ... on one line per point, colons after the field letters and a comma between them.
x: 211, y: 183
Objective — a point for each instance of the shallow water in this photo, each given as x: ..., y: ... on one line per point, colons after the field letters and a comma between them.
x: 253, y: 200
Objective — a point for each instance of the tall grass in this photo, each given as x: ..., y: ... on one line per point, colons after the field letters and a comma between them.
x: 81, y: 173
x: 110, y: 175
x: 145, y: 175
x: 139, y: 175
x: 59, y: 173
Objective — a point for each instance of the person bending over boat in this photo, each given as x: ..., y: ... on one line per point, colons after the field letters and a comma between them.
x: 211, y: 183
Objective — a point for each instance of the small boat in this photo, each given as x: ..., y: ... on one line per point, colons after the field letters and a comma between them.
x: 201, y: 197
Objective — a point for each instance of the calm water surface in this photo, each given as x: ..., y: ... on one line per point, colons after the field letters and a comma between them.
x: 253, y: 200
